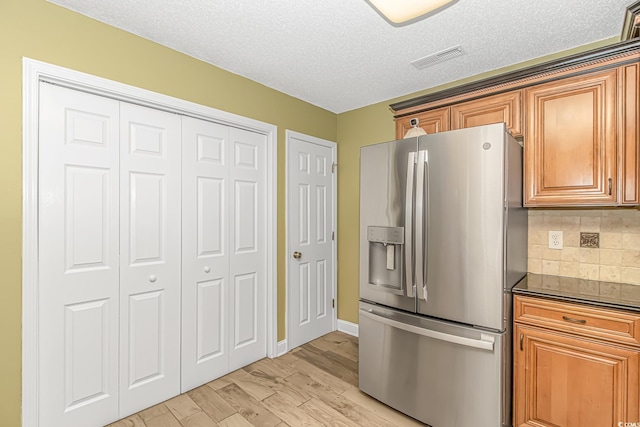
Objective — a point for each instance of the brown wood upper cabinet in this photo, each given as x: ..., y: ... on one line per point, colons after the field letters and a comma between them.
x: 579, y: 117
x: 504, y: 107
x: 570, y: 141
x: 432, y: 121
x: 581, y: 142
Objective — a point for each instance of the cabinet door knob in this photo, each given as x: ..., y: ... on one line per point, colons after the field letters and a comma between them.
x: 152, y: 278
x: 207, y: 269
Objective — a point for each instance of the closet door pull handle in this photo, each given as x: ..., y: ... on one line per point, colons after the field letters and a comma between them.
x: 610, y: 186
x: 152, y: 278
x: 569, y: 319
x: 207, y: 270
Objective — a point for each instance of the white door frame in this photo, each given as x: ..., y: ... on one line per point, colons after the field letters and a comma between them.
x: 334, y: 217
x: 33, y: 72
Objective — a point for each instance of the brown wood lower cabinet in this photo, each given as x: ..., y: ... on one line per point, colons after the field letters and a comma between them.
x: 574, y: 364
x: 570, y: 381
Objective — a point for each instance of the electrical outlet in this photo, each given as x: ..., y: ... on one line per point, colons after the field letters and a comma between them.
x: 555, y: 239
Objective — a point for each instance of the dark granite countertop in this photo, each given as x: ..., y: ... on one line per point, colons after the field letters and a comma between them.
x: 593, y: 292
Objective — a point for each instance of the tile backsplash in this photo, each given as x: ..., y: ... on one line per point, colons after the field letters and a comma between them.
x: 616, y: 260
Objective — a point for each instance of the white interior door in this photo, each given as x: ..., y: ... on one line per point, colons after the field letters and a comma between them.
x: 247, y: 246
x: 205, y: 251
x: 310, y: 208
x: 149, y: 256
x: 78, y: 258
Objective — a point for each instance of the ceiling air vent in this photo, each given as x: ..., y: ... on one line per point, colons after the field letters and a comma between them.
x: 436, y: 58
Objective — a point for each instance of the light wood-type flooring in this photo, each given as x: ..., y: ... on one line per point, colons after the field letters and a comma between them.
x: 313, y: 385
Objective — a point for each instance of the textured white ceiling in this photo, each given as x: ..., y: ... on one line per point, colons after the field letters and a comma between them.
x: 341, y: 55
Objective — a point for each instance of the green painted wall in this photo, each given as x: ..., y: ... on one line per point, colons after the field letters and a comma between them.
x: 40, y: 30
x: 369, y: 125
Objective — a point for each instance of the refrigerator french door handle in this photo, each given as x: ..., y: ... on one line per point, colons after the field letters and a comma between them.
x: 408, y: 226
x: 485, y: 343
x: 425, y: 222
x: 419, y: 226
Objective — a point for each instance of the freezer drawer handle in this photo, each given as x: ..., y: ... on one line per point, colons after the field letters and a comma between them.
x: 484, y: 344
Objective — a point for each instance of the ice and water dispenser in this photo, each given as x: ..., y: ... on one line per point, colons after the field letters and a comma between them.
x: 386, y: 257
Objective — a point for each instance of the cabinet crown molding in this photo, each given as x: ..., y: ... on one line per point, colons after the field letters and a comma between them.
x: 582, y: 59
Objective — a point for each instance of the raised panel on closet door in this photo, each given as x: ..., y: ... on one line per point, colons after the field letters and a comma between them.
x: 150, y: 257
x: 247, y: 244
x: 78, y: 258
x: 205, y: 251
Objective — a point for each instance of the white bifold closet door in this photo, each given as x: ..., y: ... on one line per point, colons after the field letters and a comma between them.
x: 132, y: 271
x: 150, y: 200
x: 78, y: 294
x: 109, y: 257
x: 223, y: 250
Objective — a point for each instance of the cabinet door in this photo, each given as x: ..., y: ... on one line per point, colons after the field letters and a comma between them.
x: 628, y: 133
x: 505, y: 107
x: 564, y: 381
x: 432, y: 121
x: 570, y: 142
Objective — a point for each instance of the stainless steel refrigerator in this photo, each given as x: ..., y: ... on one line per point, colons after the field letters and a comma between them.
x: 443, y: 239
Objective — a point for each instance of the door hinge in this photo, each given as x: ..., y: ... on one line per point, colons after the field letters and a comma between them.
x: 333, y: 303
x: 333, y: 235
x: 334, y: 165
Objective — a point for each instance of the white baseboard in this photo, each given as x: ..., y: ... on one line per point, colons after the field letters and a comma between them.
x: 348, y: 327
x: 282, y: 348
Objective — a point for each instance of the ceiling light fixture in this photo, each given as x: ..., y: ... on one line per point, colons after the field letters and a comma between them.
x: 402, y: 11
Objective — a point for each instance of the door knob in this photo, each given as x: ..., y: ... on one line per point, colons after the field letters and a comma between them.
x: 297, y: 255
